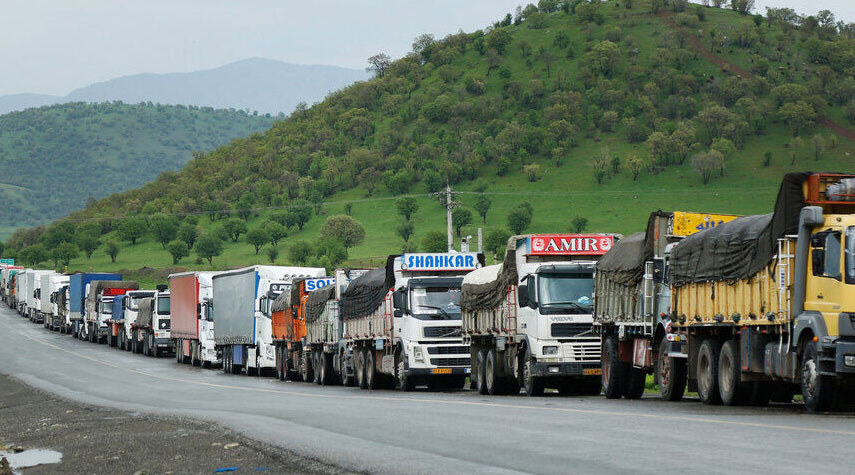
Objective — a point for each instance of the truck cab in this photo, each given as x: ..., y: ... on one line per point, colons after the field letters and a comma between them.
x: 161, y: 322
x: 131, y: 304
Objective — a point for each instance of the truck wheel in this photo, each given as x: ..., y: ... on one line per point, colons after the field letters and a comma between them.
x: 226, y: 368
x: 614, y: 371
x: 346, y: 380
x: 359, y: 368
x: 316, y: 367
x: 405, y: 383
x: 635, y: 380
x: 481, y: 363
x: 305, y: 368
x: 533, y: 386
x: 122, y: 339
x: 816, y: 389
x: 326, y: 369
x: 371, y: 370
x: 491, y: 374
x: 280, y: 370
x: 733, y: 391
x: 671, y: 373
x: 707, y: 372
x: 760, y: 392
x: 196, y: 355
x: 179, y: 350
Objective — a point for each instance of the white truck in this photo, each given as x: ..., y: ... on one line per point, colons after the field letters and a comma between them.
x: 51, y: 285
x: 150, y: 330
x: 34, y: 295
x: 529, y: 320
x: 402, y: 322
x: 22, y: 291
x: 99, y: 307
x: 192, y: 295
x: 130, y: 310
x: 242, y: 310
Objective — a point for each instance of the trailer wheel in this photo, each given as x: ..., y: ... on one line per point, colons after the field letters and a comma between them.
x: 371, y: 370
x: 226, y: 368
x: 346, y: 380
x: 817, y: 390
x: 359, y: 368
x: 760, y: 392
x: 733, y: 391
x: 179, y: 351
x: 614, y: 372
x: 316, y: 367
x: 636, y: 378
x: 492, y: 381
x: 197, y: 360
x: 481, y: 363
x: 533, y: 386
x: 671, y: 373
x: 708, y: 357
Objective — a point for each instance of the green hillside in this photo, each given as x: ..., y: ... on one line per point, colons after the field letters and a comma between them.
x: 598, y: 111
x: 54, y: 159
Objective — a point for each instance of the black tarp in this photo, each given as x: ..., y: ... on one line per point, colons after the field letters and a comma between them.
x: 487, y: 295
x: 624, y: 263
x: 366, y: 292
x: 317, y: 301
x: 742, y: 247
x: 145, y: 313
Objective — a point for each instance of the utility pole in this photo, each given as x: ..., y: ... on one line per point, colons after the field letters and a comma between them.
x: 447, y: 198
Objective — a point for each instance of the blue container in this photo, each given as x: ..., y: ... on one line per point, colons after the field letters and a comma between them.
x: 77, y: 288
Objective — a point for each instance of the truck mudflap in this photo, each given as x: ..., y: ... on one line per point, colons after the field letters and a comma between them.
x: 844, y: 357
x: 438, y: 371
x: 544, y: 369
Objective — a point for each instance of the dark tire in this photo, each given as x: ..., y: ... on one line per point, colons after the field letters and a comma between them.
x: 359, y: 368
x: 635, y: 380
x: 817, y: 390
x: 533, y: 386
x: 614, y: 371
x: 482, y: 377
x: 280, y: 364
x: 195, y: 354
x: 179, y: 351
x: 732, y: 390
x: 760, y: 392
x: 346, y: 380
x: 316, y: 364
x: 123, y: 340
x: 325, y: 368
x: 708, y: 357
x: 671, y: 374
x: 371, y: 379
x: 492, y: 380
x: 405, y: 383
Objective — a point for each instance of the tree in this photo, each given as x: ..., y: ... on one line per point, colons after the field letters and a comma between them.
x: 461, y: 217
x: 767, y: 158
x: 164, y: 228
x: 604, y: 57
x: 796, y: 146
x: 798, y: 115
x: 258, y: 237
x: 379, y: 64
x: 547, y: 57
x: 405, y: 230
x: 407, y: 207
x: 482, y: 206
x: 345, y: 229
x: 600, y: 167
x: 178, y: 250
x: 112, y: 249
x: 531, y: 170
x: 244, y: 205
x: 209, y: 246
x: 634, y: 164
x: 818, y: 145
x: 300, y: 252
x: 300, y: 213
x: 519, y: 219
x: 434, y: 241
x: 725, y: 147
x: 272, y: 253
x: 499, y: 40
x: 86, y: 238
x: 743, y: 6
x: 61, y: 254
x: 579, y: 224
x: 706, y: 162
x: 188, y: 233
x: 525, y: 48
x: 496, y: 241
x: 131, y: 229
x: 276, y: 231
x: 369, y: 178
x: 235, y: 227
x: 36, y: 253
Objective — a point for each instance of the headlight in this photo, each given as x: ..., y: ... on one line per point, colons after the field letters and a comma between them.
x: 417, y: 353
x: 550, y: 350
x: 849, y: 360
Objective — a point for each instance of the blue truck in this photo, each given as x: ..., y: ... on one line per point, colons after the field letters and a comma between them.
x: 77, y: 297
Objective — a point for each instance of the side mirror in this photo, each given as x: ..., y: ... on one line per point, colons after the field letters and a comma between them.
x: 818, y: 261
x: 522, y: 295
x: 399, y: 299
x: 398, y: 313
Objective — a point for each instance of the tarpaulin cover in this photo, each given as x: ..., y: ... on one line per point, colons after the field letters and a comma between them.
x: 742, y: 247
x: 283, y: 301
x: 62, y: 300
x: 234, y: 306
x: 365, y: 293
x: 118, y: 309
x: 77, y: 286
x: 485, y: 294
x: 144, y: 316
x: 97, y: 286
x: 317, y: 301
x: 624, y: 263
x: 183, y: 306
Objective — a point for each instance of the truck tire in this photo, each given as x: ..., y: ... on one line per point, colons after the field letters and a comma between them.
x: 371, y: 379
x: 405, y: 383
x: 482, y: 378
x: 492, y: 380
x: 533, y: 386
x: 305, y: 369
x: 326, y: 369
x: 614, y: 371
x: 817, y: 389
x: 179, y: 351
x: 316, y: 365
x: 359, y: 368
x: 196, y: 355
x: 280, y: 364
x: 226, y: 363
x: 760, y: 392
x: 636, y: 378
x: 733, y: 391
x: 671, y: 373
x: 708, y: 357
x: 346, y: 380
x: 122, y: 339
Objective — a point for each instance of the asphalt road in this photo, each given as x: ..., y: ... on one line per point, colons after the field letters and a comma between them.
x: 392, y: 432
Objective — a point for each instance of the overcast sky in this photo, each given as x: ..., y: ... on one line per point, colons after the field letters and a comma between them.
x: 55, y: 46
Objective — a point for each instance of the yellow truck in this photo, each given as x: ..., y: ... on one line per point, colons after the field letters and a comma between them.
x: 632, y: 305
x: 764, y: 306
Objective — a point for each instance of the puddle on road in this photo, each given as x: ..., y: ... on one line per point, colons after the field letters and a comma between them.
x: 31, y: 458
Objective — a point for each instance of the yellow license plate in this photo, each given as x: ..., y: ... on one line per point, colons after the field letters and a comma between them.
x: 441, y: 371
x: 592, y: 371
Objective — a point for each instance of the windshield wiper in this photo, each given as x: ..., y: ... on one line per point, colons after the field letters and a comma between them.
x: 574, y: 304
x: 444, y: 313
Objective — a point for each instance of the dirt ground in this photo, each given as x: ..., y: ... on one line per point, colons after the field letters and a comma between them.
x: 95, y: 440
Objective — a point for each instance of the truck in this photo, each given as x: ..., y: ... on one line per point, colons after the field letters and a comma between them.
x: 192, y: 295
x: 326, y: 349
x: 77, y: 297
x: 150, y: 330
x: 529, y: 319
x: 632, y: 305
x: 242, y: 308
x: 99, y: 308
x: 21, y: 292
x: 130, y: 306
x: 34, y: 294
x: 7, y: 276
x: 761, y: 307
x: 288, y: 319
x: 61, y: 302
x: 402, y: 322
x: 50, y: 285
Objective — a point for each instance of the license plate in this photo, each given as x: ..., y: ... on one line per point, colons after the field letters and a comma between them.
x: 162, y: 345
x: 441, y: 371
x: 592, y: 371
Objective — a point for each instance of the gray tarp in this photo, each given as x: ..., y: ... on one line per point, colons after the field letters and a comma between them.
x: 491, y: 294
x: 624, y: 263
x: 317, y: 302
x: 283, y: 301
x: 97, y: 286
x: 144, y: 316
x: 366, y: 292
x: 234, y: 307
x: 742, y: 247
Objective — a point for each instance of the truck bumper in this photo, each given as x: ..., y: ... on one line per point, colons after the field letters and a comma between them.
x: 438, y: 371
x: 844, y: 357
x: 163, y: 344
x: 541, y: 369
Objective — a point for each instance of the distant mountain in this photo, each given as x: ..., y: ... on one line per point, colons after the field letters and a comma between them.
x: 257, y: 84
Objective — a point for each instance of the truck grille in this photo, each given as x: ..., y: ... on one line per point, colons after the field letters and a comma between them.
x: 448, y: 350
x: 565, y: 330
x: 449, y: 361
x: 439, y: 332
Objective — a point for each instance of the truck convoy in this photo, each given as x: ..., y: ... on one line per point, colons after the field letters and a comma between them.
x: 528, y: 320
x: 632, y: 305
x: 402, y: 322
x: 242, y: 309
x: 77, y: 298
x: 150, y: 330
x: 192, y: 296
x: 99, y: 308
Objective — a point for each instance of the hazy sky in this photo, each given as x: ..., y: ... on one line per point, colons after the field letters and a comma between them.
x: 55, y: 46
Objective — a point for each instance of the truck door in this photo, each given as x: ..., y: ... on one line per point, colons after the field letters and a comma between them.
x: 824, y: 288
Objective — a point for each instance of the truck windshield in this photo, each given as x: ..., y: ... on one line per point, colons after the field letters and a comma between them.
x: 565, y: 293
x: 163, y: 305
x: 849, y: 255
x: 132, y: 301
x: 436, y: 303
x: 107, y: 307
